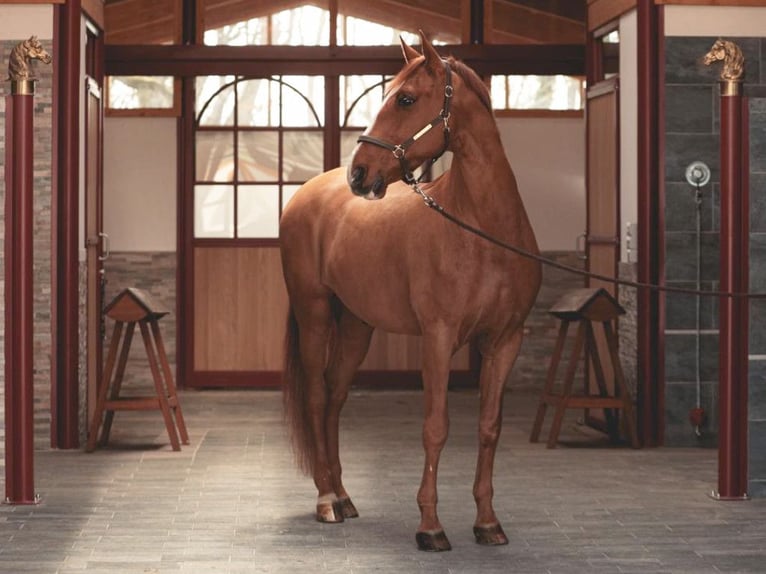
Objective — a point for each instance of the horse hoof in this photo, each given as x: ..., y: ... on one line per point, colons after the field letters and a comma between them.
x: 490, y: 535
x: 347, y: 508
x: 433, y: 541
x: 330, y: 512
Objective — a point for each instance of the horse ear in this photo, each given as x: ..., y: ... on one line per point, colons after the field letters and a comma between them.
x: 409, y: 52
x: 432, y: 56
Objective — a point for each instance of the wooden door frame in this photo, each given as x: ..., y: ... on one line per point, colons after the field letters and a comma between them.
x: 603, y: 88
x: 94, y: 247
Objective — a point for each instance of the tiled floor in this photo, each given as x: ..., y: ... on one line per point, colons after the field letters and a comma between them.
x: 231, y: 502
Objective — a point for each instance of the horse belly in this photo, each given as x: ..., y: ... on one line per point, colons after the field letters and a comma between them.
x: 380, y: 301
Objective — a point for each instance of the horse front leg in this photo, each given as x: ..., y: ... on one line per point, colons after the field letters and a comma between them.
x: 352, y: 343
x: 496, y: 365
x: 437, y: 350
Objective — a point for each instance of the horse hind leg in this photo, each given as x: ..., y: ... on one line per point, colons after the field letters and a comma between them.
x: 306, y: 397
x: 351, y: 343
x: 494, y: 371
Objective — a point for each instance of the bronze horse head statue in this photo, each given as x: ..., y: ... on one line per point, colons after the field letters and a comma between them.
x: 18, y: 64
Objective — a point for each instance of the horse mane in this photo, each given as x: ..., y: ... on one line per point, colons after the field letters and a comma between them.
x: 473, y: 81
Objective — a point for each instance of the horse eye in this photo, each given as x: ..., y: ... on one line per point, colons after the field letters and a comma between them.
x: 405, y: 100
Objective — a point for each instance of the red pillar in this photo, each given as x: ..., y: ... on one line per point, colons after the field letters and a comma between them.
x: 733, y: 312
x: 19, y: 221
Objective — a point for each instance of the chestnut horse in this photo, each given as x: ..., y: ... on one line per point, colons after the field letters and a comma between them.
x: 353, y: 265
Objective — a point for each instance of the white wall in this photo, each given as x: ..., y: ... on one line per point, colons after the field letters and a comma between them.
x: 715, y: 21
x: 628, y: 131
x: 140, y: 174
x: 20, y: 21
x: 548, y: 157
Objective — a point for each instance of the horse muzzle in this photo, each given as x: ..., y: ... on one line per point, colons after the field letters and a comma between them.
x: 357, y: 177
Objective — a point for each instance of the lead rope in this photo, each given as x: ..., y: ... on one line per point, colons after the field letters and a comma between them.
x: 433, y: 204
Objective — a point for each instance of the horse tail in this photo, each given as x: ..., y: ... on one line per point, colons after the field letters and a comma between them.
x: 295, y: 399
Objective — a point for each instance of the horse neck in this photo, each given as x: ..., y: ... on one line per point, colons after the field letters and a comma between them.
x: 482, y: 180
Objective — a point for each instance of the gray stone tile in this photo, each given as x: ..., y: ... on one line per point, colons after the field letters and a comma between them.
x: 234, y: 503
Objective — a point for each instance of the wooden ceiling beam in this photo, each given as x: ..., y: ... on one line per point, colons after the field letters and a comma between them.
x: 513, y: 20
x: 263, y: 61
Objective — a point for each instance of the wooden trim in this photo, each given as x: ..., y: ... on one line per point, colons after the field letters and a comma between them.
x: 33, y: 2
x: 65, y: 323
x: 603, y: 87
x: 651, y: 256
x: 539, y: 113
x: 94, y: 9
x: 263, y: 61
x: 184, y: 243
x: 143, y: 112
x: 601, y: 12
x: 394, y: 379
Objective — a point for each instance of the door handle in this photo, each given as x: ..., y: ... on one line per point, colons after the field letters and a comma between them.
x: 105, y: 242
x: 580, y: 252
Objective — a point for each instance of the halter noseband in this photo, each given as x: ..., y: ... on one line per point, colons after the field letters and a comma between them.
x: 400, y: 150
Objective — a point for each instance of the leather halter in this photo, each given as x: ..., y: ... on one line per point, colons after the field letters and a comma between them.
x: 400, y: 150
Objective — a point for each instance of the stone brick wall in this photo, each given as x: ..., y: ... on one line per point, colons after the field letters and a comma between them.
x: 692, y: 132
x: 155, y: 273
x: 42, y: 248
x: 627, y: 327
x: 541, y: 329
x: 757, y: 350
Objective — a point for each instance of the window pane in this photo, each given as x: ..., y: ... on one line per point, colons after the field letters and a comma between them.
x: 302, y: 155
x: 214, y: 102
x: 258, y: 156
x: 288, y: 191
x: 347, y: 144
x: 249, y: 23
x: 252, y: 32
x: 304, y: 26
x: 258, y: 103
x: 302, y: 101
x: 215, y: 156
x: 137, y: 92
x: 538, y: 92
x: 360, y: 99
x: 258, y: 211
x: 213, y: 211
x: 355, y: 26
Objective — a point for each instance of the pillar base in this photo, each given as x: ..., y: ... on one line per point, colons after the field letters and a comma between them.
x: 35, y: 501
x: 715, y: 495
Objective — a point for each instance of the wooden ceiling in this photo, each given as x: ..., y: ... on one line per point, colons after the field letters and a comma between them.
x: 507, y: 21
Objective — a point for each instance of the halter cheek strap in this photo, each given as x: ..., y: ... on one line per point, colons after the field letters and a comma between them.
x: 400, y: 150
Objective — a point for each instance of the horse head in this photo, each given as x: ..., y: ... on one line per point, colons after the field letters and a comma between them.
x: 18, y: 64
x: 731, y: 56
x: 34, y: 50
x: 411, y: 127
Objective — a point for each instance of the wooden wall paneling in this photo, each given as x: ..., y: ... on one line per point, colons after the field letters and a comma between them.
x: 514, y: 23
x: 142, y: 22
x: 601, y: 12
x: 393, y: 352
x: 240, y: 306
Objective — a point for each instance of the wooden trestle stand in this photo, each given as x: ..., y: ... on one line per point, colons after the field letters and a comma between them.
x: 584, y: 306
x: 128, y: 308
